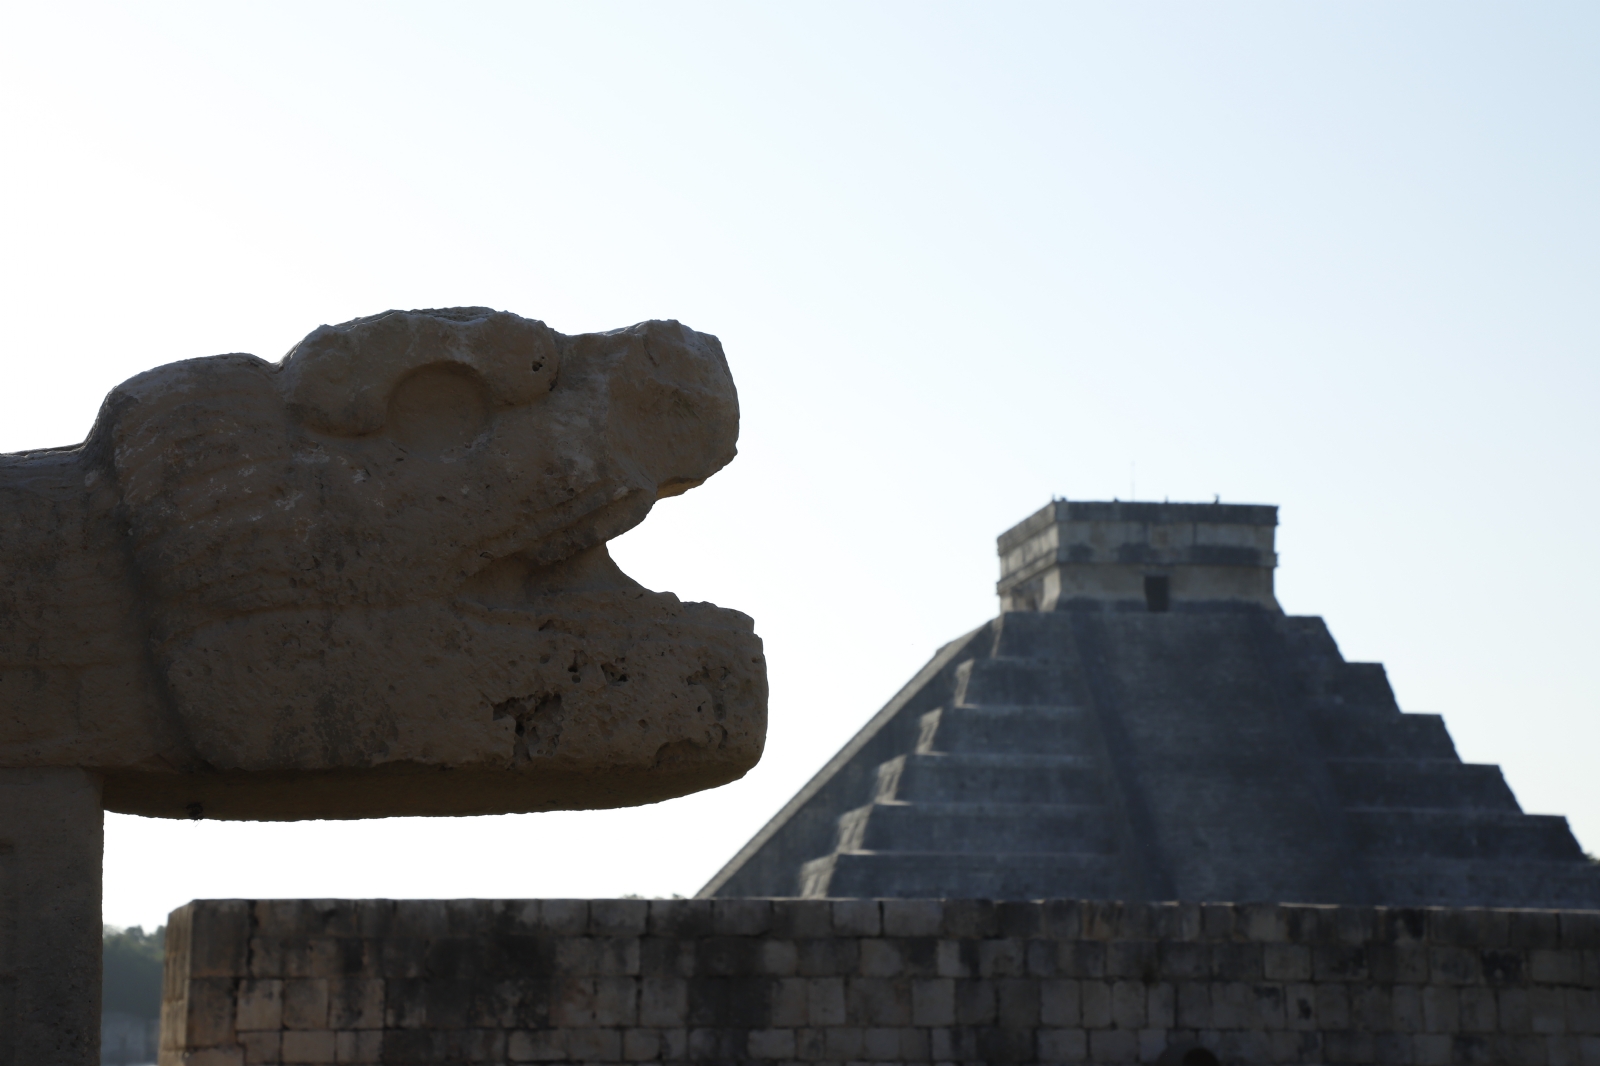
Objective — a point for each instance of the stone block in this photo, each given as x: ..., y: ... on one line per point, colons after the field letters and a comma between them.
x: 619, y: 917
x: 1441, y: 1009
x: 1217, y: 921
x: 1455, y: 966
x: 260, y: 1005
x: 359, y: 1046
x: 1236, y: 962
x: 1547, y: 1010
x: 975, y: 1002
x: 1533, y: 929
x: 844, y: 1042
x: 1062, y: 919
x: 1555, y: 966
x: 933, y: 1002
x: 1332, y: 1006
x: 1060, y: 1003
x: 1406, y: 1002
x: 309, y: 1047
x: 1017, y: 1002
x: 1113, y: 1046
x: 826, y: 1002
x: 1017, y: 919
x: 881, y: 1045
x: 1002, y: 958
x: 1300, y: 1007
x: 912, y: 917
x: 770, y: 1044
x: 1128, y: 1005
x: 828, y: 957
x: 1282, y: 962
x: 263, y: 1048
x: 740, y: 917
x: 209, y: 1016
x: 595, y: 1045
x: 683, y: 919
x: 876, y: 1001
x: 777, y: 958
x: 857, y: 917
x: 1161, y: 1006
x: 1132, y: 959
x: 1478, y: 1011
x: 790, y: 1003
x: 1063, y: 1045
x: 663, y: 1002
x: 564, y: 917
x: 969, y: 919
x: 1184, y: 961
x: 538, y: 1045
x: 1583, y: 1010
x: 1580, y: 930
x: 1513, y: 1010
x: 806, y: 919
x: 355, y: 1003
x: 1041, y: 960
x: 880, y: 958
x: 616, y: 1001
x: 1081, y: 958
x: 1095, y: 998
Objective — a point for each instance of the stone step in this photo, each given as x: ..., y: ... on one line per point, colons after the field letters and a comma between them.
x: 944, y: 875
x: 1433, y: 882
x: 1393, y: 832
x: 1369, y: 733
x: 1013, y: 828
x: 1421, y: 783
x: 999, y: 729
x: 977, y: 778
x: 1008, y: 682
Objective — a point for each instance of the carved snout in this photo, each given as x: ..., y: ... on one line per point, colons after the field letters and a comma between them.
x: 340, y: 379
x: 674, y: 409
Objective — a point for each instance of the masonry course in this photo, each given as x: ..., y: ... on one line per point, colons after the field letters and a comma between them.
x: 294, y: 982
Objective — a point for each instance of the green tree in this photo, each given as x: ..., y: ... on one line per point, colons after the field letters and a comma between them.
x: 132, y: 983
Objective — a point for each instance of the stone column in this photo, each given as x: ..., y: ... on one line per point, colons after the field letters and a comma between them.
x: 51, y: 847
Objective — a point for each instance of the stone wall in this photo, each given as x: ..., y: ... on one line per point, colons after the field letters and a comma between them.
x: 749, y: 980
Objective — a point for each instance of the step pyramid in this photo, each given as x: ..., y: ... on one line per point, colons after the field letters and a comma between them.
x: 1143, y: 722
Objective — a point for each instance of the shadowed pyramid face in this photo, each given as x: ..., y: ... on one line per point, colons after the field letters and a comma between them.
x: 372, y: 579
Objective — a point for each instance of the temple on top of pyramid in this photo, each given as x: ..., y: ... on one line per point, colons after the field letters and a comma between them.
x: 1143, y: 722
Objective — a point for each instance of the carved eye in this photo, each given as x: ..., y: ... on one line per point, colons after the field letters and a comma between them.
x: 437, y: 410
x: 340, y: 378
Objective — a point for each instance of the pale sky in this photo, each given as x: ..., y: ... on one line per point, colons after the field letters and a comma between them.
x: 1339, y: 257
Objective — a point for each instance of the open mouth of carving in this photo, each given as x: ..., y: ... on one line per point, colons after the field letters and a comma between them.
x: 518, y: 582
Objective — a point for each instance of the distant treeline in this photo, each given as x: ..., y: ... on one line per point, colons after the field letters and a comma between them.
x: 133, y: 971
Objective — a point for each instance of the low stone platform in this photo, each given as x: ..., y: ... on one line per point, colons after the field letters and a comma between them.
x: 741, y: 980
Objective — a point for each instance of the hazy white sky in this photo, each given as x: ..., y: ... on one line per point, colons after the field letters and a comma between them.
x: 1338, y: 257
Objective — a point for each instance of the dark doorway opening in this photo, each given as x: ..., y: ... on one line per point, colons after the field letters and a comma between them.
x: 1157, y: 592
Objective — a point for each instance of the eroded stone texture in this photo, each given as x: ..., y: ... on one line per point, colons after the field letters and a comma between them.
x: 371, y: 579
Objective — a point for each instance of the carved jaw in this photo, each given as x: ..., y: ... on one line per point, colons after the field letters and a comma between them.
x: 385, y: 558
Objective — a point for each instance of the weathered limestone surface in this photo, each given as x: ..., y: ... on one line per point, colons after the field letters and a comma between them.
x: 372, y: 579
x: 292, y: 982
x: 50, y: 854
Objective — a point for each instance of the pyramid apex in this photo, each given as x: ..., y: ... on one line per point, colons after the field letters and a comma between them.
x: 1098, y: 554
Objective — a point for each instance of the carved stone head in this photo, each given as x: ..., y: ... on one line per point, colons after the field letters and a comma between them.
x: 372, y: 578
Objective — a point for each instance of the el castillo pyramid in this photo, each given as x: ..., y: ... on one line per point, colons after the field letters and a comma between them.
x: 1143, y: 722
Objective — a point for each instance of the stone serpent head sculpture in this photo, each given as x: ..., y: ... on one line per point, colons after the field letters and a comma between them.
x: 372, y: 579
